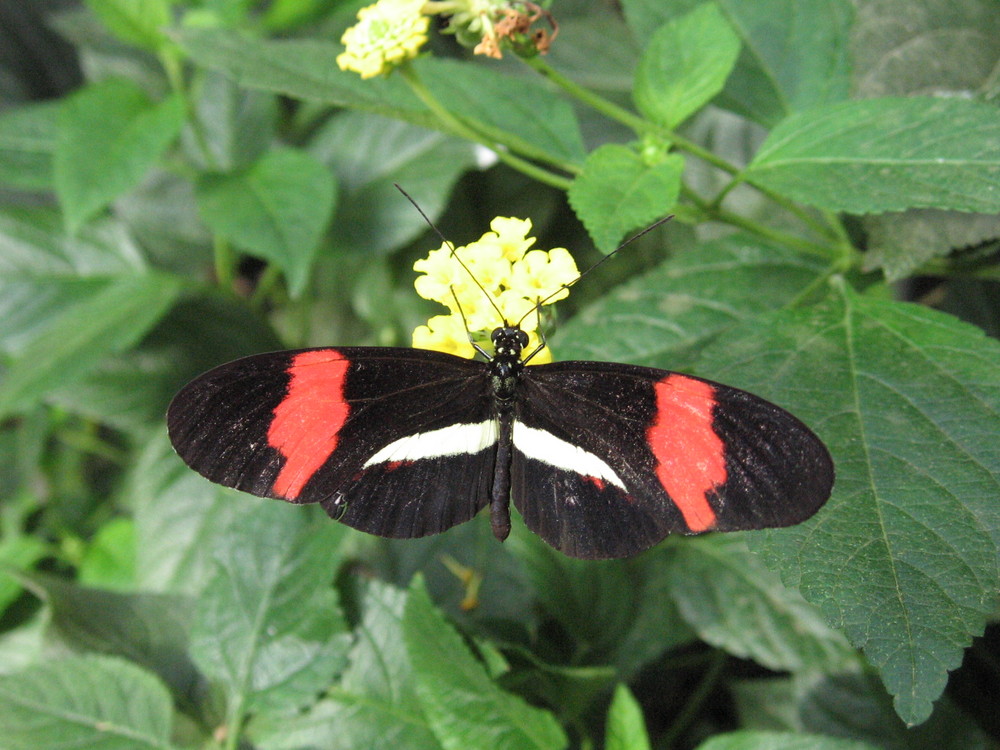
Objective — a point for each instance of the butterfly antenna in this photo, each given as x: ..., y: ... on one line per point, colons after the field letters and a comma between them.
x: 454, y: 254
x: 598, y: 264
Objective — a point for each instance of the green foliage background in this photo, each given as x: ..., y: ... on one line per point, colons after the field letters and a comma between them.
x: 184, y: 182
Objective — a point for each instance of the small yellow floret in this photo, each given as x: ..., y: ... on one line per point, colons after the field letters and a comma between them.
x: 444, y: 333
x: 387, y: 34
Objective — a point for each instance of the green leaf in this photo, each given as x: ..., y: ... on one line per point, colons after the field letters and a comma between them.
x: 796, y: 55
x: 278, y: 208
x: 304, y: 69
x: 150, y: 630
x: 614, y: 611
x: 626, y: 728
x: 237, y: 125
x: 110, y: 135
x: 179, y: 516
x: 109, y: 560
x: 370, y: 155
x: 111, y: 319
x: 735, y: 603
x: 375, y: 704
x: 89, y: 701
x: 886, y: 155
x: 139, y: 22
x: 748, y: 740
x: 665, y: 317
x: 618, y: 192
x: 904, y: 557
x: 464, y: 707
x: 21, y: 553
x: 531, y: 118
x: 685, y: 65
x: 268, y: 625
x: 857, y: 706
x: 27, y: 142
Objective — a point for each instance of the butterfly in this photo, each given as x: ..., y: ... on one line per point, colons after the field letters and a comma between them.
x: 602, y: 460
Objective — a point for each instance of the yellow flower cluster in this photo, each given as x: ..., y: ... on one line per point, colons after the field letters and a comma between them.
x: 387, y: 34
x: 514, y: 277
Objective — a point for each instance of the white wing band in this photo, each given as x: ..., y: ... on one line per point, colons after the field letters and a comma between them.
x: 453, y: 440
x: 545, y: 447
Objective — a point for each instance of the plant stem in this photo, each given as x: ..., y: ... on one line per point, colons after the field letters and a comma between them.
x: 457, y: 127
x: 691, y: 708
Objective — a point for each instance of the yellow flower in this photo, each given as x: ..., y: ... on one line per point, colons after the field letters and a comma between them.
x: 503, y: 282
x: 387, y: 34
x: 444, y: 333
x: 542, y: 273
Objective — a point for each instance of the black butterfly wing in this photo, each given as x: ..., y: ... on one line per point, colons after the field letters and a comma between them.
x: 653, y: 453
x: 394, y: 442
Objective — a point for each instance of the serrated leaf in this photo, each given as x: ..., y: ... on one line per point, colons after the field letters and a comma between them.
x: 370, y: 155
x: 375, y: 704
x: 685, y: 64
x: 267, y: 625
x: 27, y: 142
x: 462, y: 705
x: 626, y: 728
x: 530, y: 115
x: 150, y: 630
x: 876, y: 155
x: 277, y: 208
x: 301, y: 68
x: 856, y: 706
x: 796, y: 54
x: 664, y: 318
x: 904, y: 557
x: 89, y: 701
x: 618, y: 192
x: 735, y: 603
x: 110, y: 134
x: 111, y: 319
x: 139, y: 22
x: 749, y: 740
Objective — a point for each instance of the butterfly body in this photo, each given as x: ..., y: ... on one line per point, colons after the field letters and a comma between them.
x: 601, y: 459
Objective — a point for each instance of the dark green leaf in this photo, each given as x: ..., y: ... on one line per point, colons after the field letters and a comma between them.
x: 267, y: 625
x: 685, y: 64
x: 370, y: 155
x: 618, y: 191
x: 89, y: 701
x: 278, y: 209
x: 375, y: 705
x: 301, y: 68
x: 21, y: 553
x: 236, y: 125
x: 904, y: 557
x: 531, y: 117
x: 463, y: 706
x: 662, y: 319
x: 110, y: 320
x: 735, y: 603
x: 886, y: 155
x: 796, y: 54
x: 150, y: 630
x: 27, y: 142
x: 626, y: 729
x: 110, y: 135
x: 780, y: 741
x: 139, y: 22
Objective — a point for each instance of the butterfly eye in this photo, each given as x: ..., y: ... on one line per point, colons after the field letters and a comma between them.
x: 522, y: 338
x: 495, y: 336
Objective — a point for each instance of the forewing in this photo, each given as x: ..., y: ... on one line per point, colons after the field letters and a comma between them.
x: 395, y: 442
x: 683, y: 455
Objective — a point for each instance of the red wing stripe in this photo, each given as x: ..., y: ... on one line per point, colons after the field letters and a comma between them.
x: 307, y: 421
x: 690, y: 457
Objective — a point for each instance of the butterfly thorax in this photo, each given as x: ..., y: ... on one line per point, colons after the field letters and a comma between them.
x: 506, y: 365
